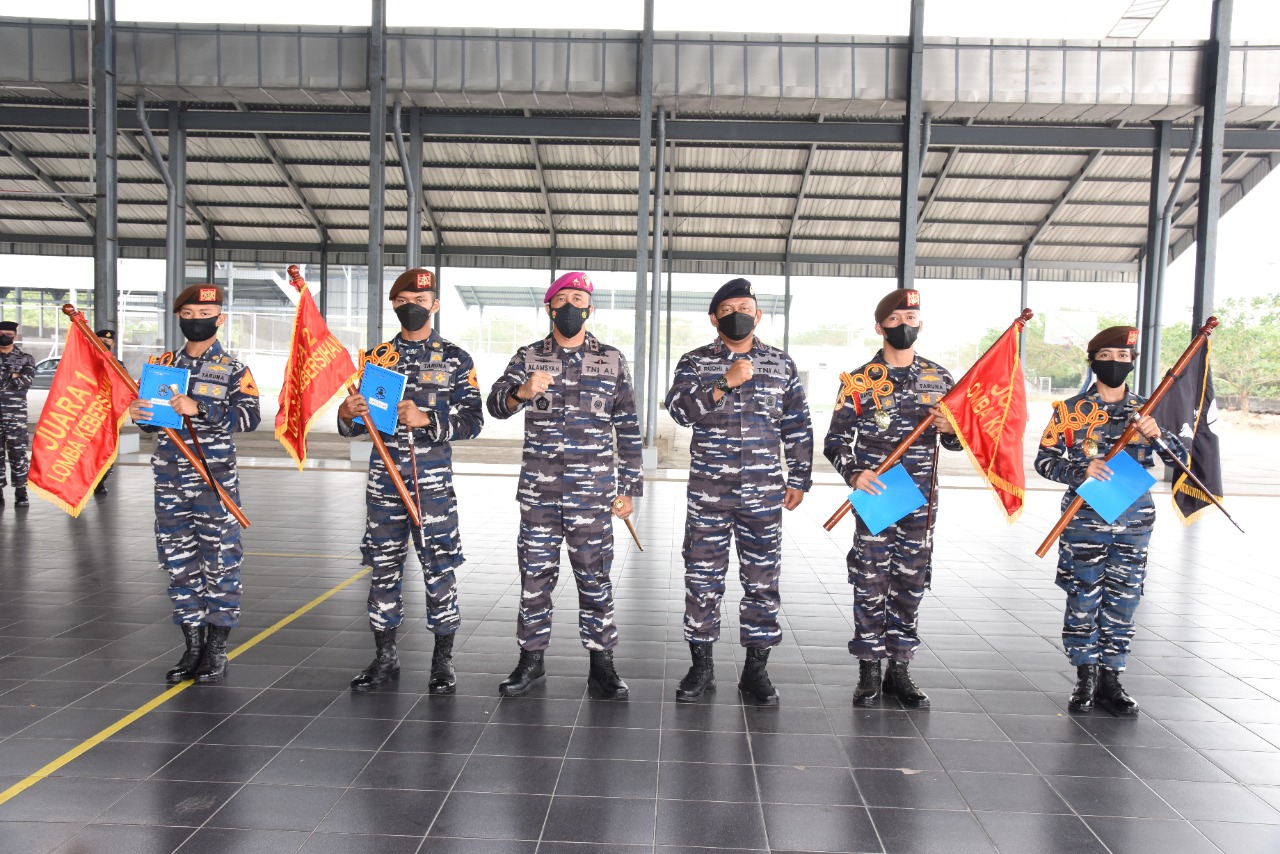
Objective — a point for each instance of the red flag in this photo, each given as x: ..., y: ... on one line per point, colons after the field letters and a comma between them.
x: 988, y: 410
x: 79, y: 429
x: 319, y: 367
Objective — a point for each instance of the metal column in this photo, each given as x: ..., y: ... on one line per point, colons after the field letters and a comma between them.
x: 786, y: 302
x: 642, y: 206
x: 1024, y: 296
x: 377, y: 168
x: 655, y: 302
x: 1148, y: 303
x: 411, y: 169
x: 1217, y: 55
x: 210, y: 268
x: 1162, y: 260
x: 671, y: 248
x: 909, y: 211
x: 324, y: 280
x: 106, y: 246
x: 175, y: 261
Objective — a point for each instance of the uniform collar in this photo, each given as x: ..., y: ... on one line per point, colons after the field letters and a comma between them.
x: 215, y: 350
x: 719, y: 348
x: 431, y: 341
x: 913, y: 369
x: 590, y: 344
x: 1091, y: 394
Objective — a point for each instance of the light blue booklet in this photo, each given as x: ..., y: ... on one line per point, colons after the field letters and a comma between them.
x: 383, y: 389
x: 1109, y: 498
x: 899, y: 497
x: 154, y: 387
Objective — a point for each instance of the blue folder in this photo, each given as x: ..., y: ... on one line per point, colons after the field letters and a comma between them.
x: 154, y: 388
x: 1109, y: 498
x: 383, y: 389
x: 899, y: 497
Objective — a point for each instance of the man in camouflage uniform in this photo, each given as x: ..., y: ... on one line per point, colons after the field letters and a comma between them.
x: 878, y: 405
x: 107, y: 337
x: 197, y: 539
x: 1101, y: 566
x: 743, y: 399
x: 17, y: 370
x: 441, y: 404
x: 576, y: 394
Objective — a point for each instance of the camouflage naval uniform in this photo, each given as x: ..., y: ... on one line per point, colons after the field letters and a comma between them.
x: 889, y: 571
x: 1101, y: 567
x: 17, y: 370
x: 197, y: 540
x: 567, y: 481
x: 736, y: 484
x: 440, y: 380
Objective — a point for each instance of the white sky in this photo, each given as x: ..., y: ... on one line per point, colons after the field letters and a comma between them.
x: 1248, y: 254
x: 1255, y: 20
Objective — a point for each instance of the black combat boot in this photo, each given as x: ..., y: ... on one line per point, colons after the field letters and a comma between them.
x: 186, y: 667
x: 755, y: 680
x: 1111, y: 694
x: 528, y: 673
x: 604, y: 678
x: 101, y: 488
x: 898, y: 680
x: 443, y: 678
x: 214, y: 664
x: 385, y: 665
x: 701, y: 676
x: 20, y: 497
x: 869, y: 684
x: 1086, y: 686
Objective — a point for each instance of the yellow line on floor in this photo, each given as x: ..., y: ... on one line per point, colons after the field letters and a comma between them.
x: 99, y: 737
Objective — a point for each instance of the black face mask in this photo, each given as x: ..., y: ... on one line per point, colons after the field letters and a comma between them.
x: 1111, y: 373
x: 198, y: 328
x: 412, y: 316
x: 901, y: 337
x: 7, y: 339
x: 736, y: 326
x: 569, y: 319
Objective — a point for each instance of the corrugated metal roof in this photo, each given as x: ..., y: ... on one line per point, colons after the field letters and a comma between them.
x: 732, y: 202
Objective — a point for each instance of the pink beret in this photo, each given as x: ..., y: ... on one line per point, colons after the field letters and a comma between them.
x: 576, y: 281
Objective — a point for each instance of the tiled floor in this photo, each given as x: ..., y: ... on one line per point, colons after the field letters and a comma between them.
x: 282, y: 758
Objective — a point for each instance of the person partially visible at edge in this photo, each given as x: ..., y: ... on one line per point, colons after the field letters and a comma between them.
x: 17, y: 371
x: 878, y: 406
x: 440, y: 405
x: 579, y: 406
x: 1102, y: 566
x: 747, y: 408
x: 197, y: 538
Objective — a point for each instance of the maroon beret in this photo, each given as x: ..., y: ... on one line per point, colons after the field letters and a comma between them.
x: 199, y: 295
x: 1114, y: 336
x: 415, y: 280
x: 896, y: 300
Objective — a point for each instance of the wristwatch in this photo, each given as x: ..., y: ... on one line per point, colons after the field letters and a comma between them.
x: 202, y: 411
x: 515, y: 392
x: 722, y: 384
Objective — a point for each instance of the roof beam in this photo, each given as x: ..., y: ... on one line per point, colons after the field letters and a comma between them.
x: 1062, y: 200
x: 503, y: 127
x: 54, y: 188
x: 800, y: 194
x: 136, y: 149
x: 278, y: 162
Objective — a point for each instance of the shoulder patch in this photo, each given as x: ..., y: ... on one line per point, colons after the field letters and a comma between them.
x: 247, y: 385
x: 472, y: 380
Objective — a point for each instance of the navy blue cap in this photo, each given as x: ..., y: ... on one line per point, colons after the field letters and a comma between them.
x: 730, y: 290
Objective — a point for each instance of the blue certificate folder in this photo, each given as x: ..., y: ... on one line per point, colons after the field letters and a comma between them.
x: 383, y: 389
x: 1109, y: 498
x: 899, y: 497
x: 154, y: 387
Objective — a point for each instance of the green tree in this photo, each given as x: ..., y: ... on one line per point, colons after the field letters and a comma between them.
x: 1246, y: 347
x: 1062, y: 363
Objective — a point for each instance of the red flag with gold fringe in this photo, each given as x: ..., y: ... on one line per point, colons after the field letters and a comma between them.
x: 319, y: 367
x: 78, y: 433
x: 988, y: 410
